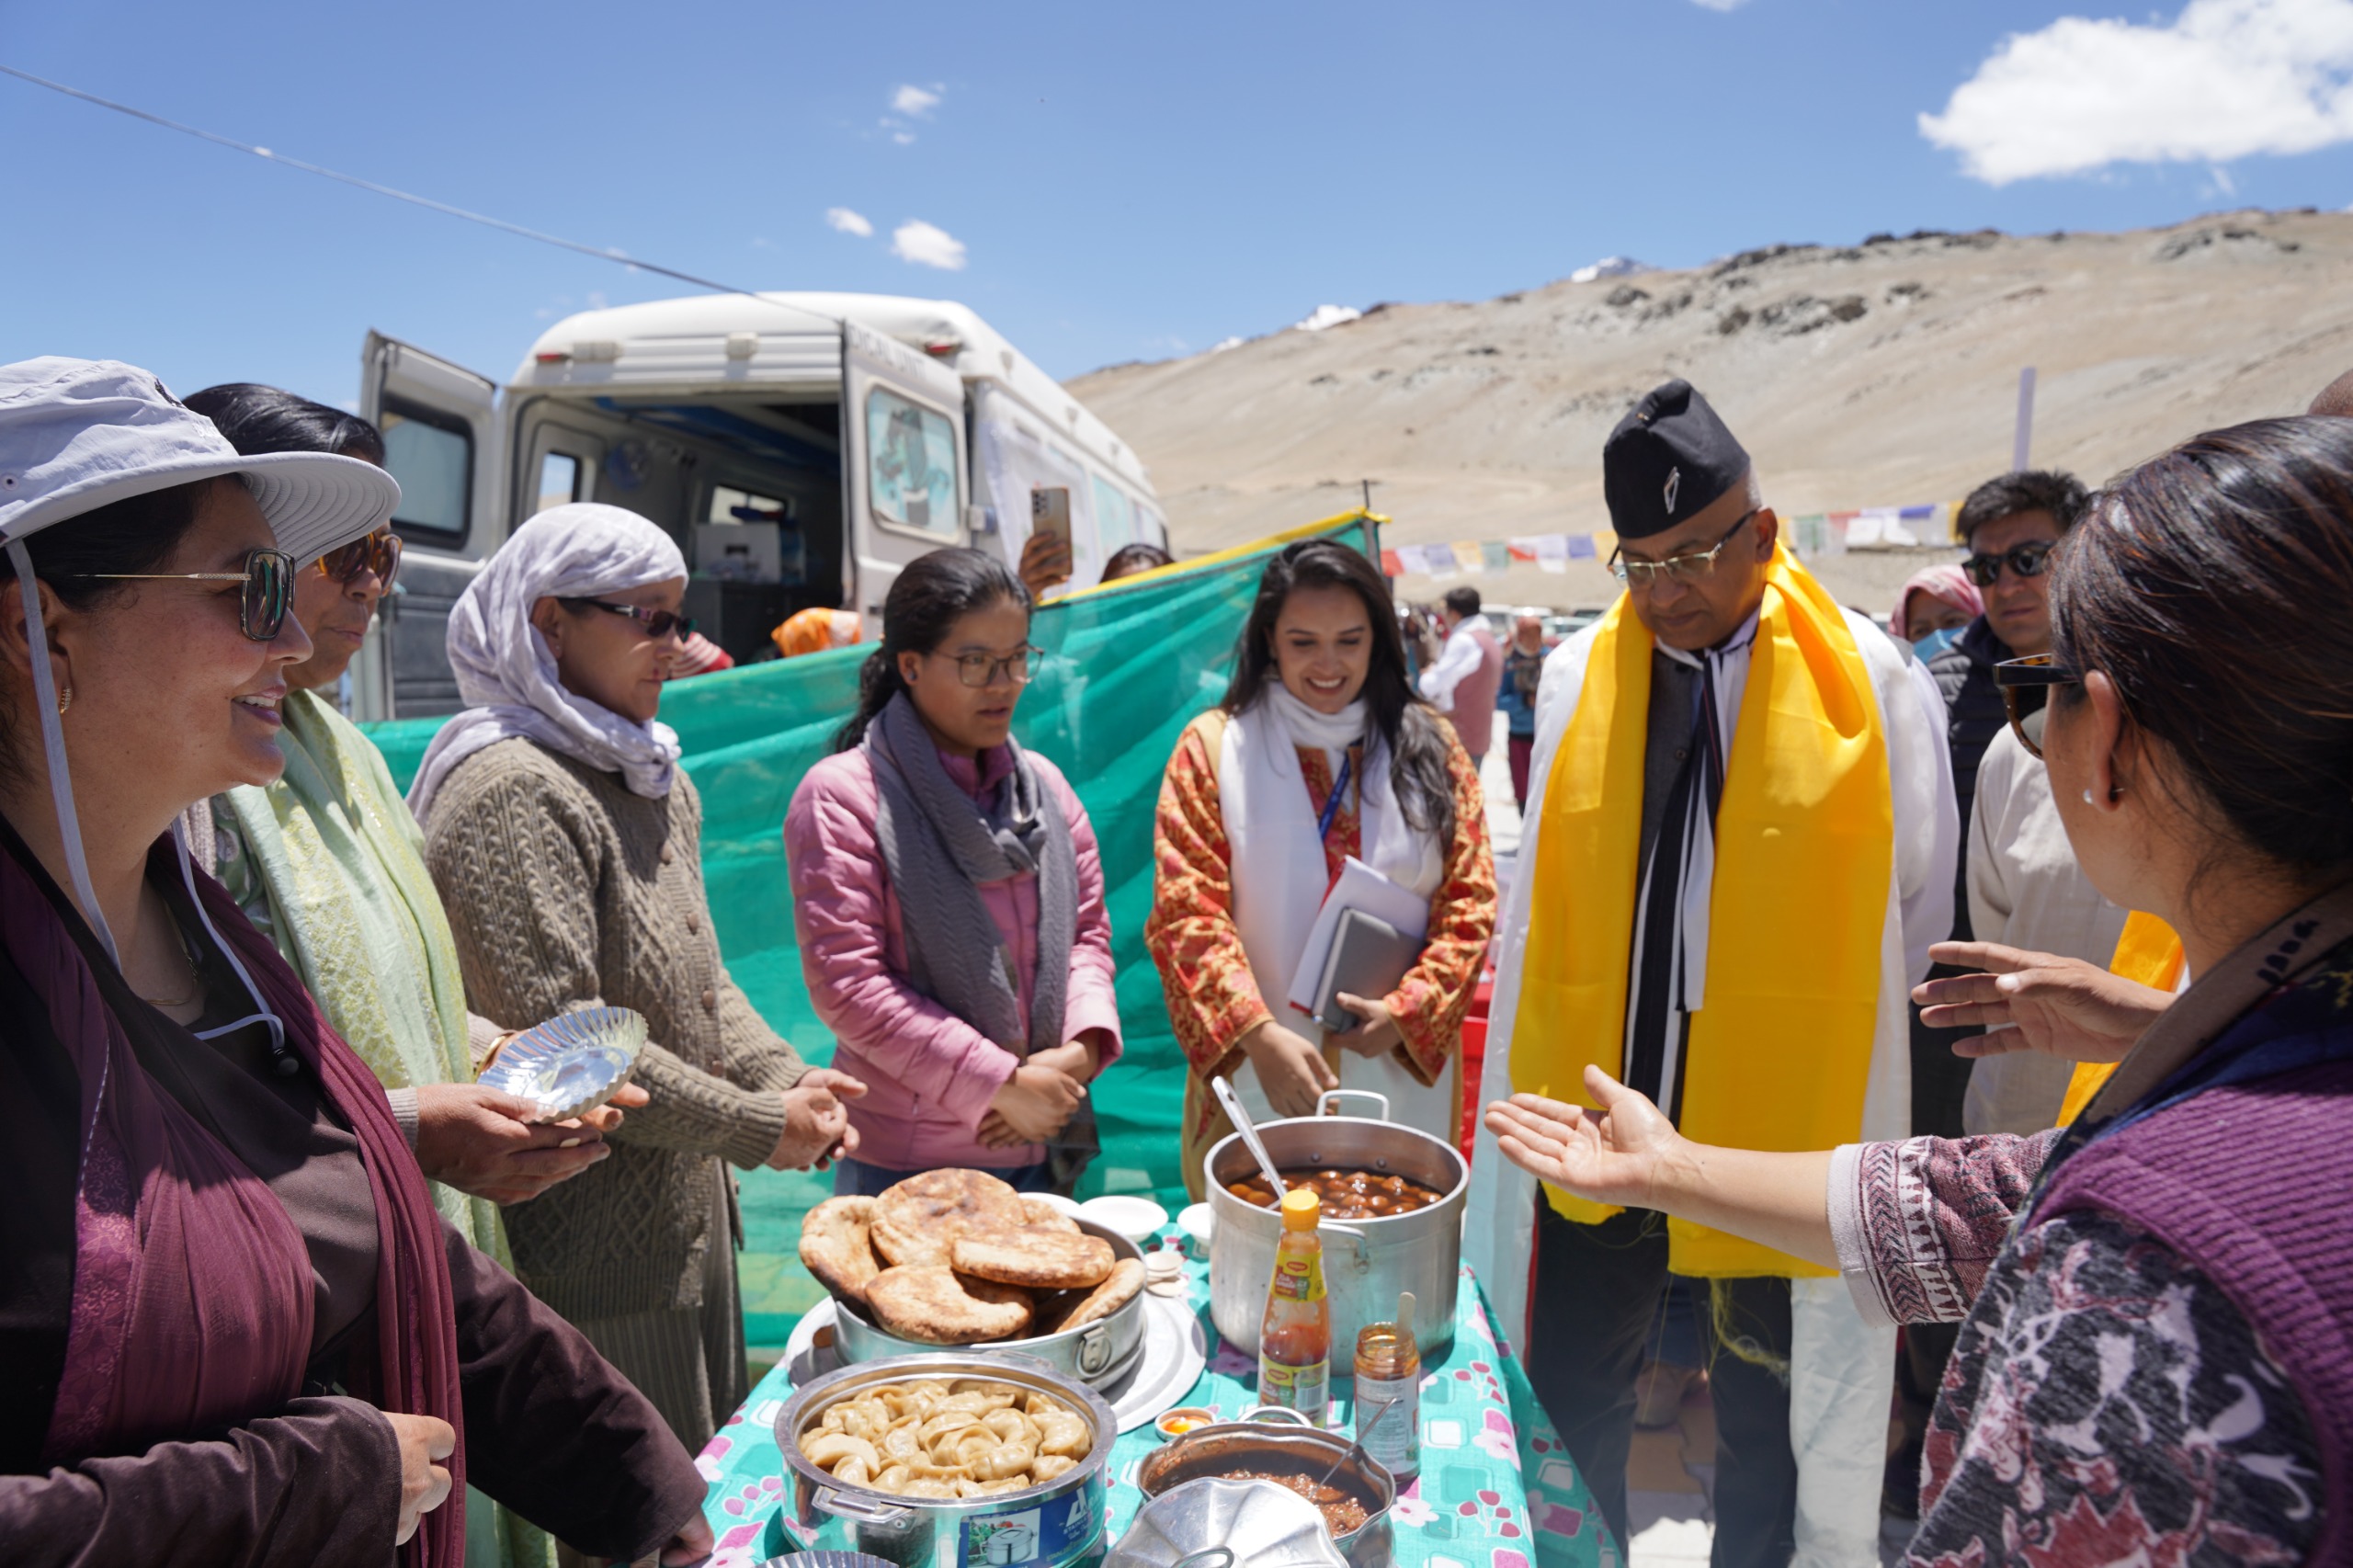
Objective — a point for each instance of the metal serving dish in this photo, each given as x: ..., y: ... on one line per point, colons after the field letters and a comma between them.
x: 1366, y: 1262
x: 1057, y: 1525
x: 1229, y: 1445
x: 573, y: 1063
x: 1211, y: 1523
x: 1096, y: 1353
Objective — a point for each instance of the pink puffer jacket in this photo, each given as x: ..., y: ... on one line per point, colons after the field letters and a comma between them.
x: 929, y: 1075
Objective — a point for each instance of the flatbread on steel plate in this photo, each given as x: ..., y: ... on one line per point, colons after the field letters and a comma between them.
x: 929, y: 1303
x: 918, y: 1219
x: 1125, y: 1283
x: 837, y: 1247
x: 1034, y: 1259
x: 1041, y: 1213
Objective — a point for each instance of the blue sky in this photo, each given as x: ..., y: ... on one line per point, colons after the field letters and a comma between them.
x: 1119, y: 181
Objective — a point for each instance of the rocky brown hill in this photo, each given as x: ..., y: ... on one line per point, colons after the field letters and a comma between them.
x: 1878, y: 374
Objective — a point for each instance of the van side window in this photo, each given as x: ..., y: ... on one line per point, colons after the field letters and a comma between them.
x: 559, y: 481
x: 910, y: 466
x: 432, y: 455
x: 1115, y: 517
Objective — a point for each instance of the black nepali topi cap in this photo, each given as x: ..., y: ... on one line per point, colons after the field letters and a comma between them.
x: 1667, y: 461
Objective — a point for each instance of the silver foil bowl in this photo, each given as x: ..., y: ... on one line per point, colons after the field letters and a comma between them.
x: 573, y: 1063
x: 1214, y: 1523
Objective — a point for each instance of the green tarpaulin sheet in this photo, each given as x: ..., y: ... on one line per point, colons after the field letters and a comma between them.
x: 1129, y: 666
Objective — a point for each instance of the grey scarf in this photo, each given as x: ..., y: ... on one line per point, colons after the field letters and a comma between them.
x: 937, y: 849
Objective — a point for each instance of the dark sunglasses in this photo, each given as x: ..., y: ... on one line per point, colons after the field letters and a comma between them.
x: 379, y: 552
x: 2025, y: 685
x: 268, y: 578
x: 2026, y: 559
x: 659, y: 623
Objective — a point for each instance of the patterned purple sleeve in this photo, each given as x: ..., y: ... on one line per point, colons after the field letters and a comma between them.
x: 2108, y: 1402
x: 1917, y: 1222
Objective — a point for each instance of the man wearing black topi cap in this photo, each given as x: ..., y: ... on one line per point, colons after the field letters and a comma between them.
x: 1743, y: 847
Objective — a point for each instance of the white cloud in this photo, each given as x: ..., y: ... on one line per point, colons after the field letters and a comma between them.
x: 1222, y: 344
x: 904, y: 138
x: 927, y: 245
x: 916, y: 102
x: 850, y: 222
x: 2225, y: 79
x: 1608, y: 267
x: 1721, y: 5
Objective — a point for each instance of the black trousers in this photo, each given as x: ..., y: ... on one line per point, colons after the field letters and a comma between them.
x: 1598, y: 1293
x: 1939, y: 1086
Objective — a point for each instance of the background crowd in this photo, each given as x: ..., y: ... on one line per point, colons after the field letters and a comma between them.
x: 285, y: 1280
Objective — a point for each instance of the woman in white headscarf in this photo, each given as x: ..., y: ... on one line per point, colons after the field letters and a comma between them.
x: 566, y: 844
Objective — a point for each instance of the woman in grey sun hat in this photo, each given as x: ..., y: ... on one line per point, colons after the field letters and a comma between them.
x: 237, y: 1327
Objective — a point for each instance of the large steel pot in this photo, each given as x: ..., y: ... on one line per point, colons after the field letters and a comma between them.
x: 1057, y: 1525
x: 1231, y: 1446
x: 1095, y: 1352
x: 1366, y: 1262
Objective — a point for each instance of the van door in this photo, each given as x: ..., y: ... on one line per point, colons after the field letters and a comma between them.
x: 442, y: 442
x: 903, y: 461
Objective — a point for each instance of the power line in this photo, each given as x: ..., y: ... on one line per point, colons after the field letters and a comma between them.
x: 601, y: 253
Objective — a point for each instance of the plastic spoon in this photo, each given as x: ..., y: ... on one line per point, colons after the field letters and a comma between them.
x: 1405, y: 1314
x: 1241, y: 1119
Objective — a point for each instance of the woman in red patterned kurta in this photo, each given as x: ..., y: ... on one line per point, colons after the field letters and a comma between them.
x: 1319, y: 683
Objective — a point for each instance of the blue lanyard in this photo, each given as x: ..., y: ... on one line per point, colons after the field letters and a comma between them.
x: 1332, y: 802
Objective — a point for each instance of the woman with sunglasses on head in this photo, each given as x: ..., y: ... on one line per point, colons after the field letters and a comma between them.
x: 947, y: 896
x: 566, y: 844
x: 330, y: 865
x: 2153, y: 1363
x: 1320, y: 752
x: 236, y: 1328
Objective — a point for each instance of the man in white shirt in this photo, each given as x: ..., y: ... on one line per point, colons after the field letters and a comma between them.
x: 1463, y: 681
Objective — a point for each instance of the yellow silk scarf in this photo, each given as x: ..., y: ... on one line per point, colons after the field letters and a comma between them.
x: 2149, y: 952
x: 1779, y: 1054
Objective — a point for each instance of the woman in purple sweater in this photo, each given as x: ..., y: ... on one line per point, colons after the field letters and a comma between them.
x: 2155, y: 1360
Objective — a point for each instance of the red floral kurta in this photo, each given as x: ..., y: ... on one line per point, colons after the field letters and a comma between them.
x: 1212, y: 1001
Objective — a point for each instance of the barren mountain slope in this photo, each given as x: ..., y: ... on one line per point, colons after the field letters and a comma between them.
x: 1883, y: 374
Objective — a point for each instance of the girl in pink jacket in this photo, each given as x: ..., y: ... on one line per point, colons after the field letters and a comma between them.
x: 949, y: 899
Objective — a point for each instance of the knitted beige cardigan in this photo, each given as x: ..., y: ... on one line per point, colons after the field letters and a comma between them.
x: 566, y: 891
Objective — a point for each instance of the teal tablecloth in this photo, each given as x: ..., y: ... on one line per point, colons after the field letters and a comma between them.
x: 1497, y: 1489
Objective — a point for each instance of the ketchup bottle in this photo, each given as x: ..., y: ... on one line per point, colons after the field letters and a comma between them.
x: 1295, y: 1339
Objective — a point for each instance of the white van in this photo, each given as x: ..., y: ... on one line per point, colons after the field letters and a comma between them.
x: 802, y: 448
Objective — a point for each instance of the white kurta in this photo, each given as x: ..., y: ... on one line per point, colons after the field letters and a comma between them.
x: 1841, y: 1371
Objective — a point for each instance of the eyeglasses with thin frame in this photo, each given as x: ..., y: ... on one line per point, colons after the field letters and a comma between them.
x: 269, y: 577
x: 659, y: 623
x: 1690, y: 567
x: 379, y: 552
x: 2023, y: 560
x: 987, y: 669
x: 2026, y: 685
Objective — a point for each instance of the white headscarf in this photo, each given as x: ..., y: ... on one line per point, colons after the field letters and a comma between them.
x: 508, y: 678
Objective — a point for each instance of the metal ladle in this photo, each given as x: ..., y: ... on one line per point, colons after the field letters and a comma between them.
x: 1224, y: 1089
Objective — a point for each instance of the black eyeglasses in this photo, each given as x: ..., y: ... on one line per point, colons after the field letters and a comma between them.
x: 659, y: 623
x: 379, y: 552
x: 1687, y: 568
x: 268, y: 578
x: 987, y: 669
x: 2025, y: 685
x: 2024, y: 559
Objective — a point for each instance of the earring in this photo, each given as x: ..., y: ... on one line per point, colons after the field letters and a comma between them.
x: 64, y: 698
x: 2087, y: 797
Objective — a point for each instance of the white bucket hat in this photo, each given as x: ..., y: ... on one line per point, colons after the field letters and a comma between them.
x: 76, y: 435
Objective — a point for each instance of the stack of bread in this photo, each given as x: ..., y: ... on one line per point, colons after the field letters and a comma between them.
x: 959, y: 1257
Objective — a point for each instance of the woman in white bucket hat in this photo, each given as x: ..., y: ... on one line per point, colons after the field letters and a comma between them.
x: 235, y: 1326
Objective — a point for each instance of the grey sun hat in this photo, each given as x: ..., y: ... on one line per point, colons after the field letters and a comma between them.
x: 76, y: 435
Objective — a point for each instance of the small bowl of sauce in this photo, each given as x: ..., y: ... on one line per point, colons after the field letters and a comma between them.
x: 1183, y: 1419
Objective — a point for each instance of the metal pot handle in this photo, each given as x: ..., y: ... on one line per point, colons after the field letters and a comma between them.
x: 1208, y: 1557
x: 884, y: 1515
x: 1094, y: 1348
x: 1324, y: 1101
x: 1354, y: 1237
